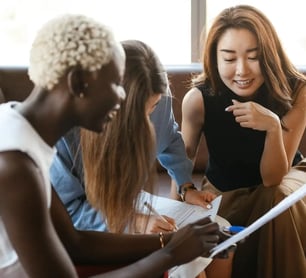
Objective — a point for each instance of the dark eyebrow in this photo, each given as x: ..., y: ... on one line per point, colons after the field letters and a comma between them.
x: 232, y: 51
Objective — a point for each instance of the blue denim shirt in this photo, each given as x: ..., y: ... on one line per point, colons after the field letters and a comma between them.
x: 67, y: 171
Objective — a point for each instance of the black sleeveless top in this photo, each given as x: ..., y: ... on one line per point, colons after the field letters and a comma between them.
x: 234, y: 151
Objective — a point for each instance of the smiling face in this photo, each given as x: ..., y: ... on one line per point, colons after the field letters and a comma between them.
x: 104, y: 93
x: 238, y: 64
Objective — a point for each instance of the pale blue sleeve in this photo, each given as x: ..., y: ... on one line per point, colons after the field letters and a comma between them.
x: 171, y: 151
x: 66, y: 178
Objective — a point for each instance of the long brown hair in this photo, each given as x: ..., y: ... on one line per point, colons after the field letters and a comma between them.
x: 282, y: 79
x: 119, y: 163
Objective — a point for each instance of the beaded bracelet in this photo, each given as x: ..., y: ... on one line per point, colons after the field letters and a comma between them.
x: 161, y: 239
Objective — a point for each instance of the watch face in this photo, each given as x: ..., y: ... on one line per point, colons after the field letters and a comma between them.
x: 183, y: 196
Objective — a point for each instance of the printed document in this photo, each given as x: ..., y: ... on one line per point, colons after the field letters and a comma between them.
x: 183, y: 213
x: 272, y: 213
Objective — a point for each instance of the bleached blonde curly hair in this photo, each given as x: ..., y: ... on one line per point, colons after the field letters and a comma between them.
x: 66, y: 41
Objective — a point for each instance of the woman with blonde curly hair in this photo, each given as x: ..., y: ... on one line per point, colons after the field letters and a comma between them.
x: 250, y: 104
x: 77, y: 68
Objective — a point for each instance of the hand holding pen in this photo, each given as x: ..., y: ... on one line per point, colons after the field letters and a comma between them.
x: 170, y: 222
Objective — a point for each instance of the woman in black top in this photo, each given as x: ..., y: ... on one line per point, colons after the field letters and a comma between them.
x: 249, y: 103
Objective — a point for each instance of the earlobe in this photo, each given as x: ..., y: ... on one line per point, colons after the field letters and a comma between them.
x: 83, y: 88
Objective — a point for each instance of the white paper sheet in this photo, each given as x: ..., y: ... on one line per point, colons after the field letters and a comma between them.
x: 272, y: 213
x: 184, y: 214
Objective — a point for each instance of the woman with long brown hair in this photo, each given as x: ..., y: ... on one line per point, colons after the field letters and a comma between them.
x: 250, y: 104
x: 125, y: 155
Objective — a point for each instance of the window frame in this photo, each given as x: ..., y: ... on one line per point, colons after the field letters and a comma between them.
x: 198, y: 21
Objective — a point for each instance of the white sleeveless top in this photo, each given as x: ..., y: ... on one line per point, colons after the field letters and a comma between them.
x: 17, y: 134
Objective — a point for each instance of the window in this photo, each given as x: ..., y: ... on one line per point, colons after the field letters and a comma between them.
x: 163, y: 24
x: 171, y: 27
x: 286, y: 16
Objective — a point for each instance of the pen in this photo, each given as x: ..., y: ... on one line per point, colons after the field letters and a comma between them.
x: 157, y: 214
x: 233, y: 229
